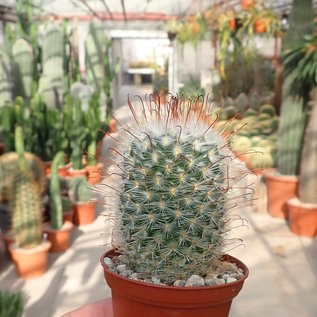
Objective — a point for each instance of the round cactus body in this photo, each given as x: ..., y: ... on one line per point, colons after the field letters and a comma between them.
x: 174, y: 191
x: 268, y: 109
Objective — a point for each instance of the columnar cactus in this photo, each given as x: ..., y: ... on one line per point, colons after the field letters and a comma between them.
x: 22, y: 54
x: 25, y: 200
x: 56, y: 206
x: 81, y: 189
x: 176, y: 189
x: 51, y: 81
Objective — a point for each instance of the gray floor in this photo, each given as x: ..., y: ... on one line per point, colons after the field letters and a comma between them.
x: 282, y: 281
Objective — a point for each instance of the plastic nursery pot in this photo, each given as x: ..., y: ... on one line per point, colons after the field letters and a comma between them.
x: 63, y: 171
x: 84, y: 213
x: 60, y: 239
x: 302, y: 217
x: 30, y: 262
x: 68, y: 216
x: 47, y: 166
x: 135, y: 298
x: 280, y: 188
x: 260, y: 26
x: 74, y: 173
x: 247, y: 4
x: 94, y: 173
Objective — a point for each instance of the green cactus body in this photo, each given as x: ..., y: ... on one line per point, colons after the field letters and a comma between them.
x: 241, y: 102
x: 241, y: 143
x: 268, y: 109
x: 261, y: 159
x: 22, y: 54
x: 290, y: 135
x: 5, y: 89
x: 11, y: 304
x: 250, y: 113
x: 173, y: 195
x: 56, y: 207
x: 25, y: 200
x: 81, y: 189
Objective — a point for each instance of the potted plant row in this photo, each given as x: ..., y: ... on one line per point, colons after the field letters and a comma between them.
x: 175, y: 189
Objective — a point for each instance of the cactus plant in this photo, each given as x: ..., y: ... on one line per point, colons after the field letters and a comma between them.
x: 11, y: 304
x: 174, y: 193
x: 81, y: 189
x: 22, y: 54
x: 268, y: 109
x: 56, y: 207
x: 25, y: 200
x: 5, y: 89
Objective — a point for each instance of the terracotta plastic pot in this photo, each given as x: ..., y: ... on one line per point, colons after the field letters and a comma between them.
x: 84, y: 213
x: 134, y: 298
x: 47, y: 166
x: 31, y: 262
x: 232, y: 24
x: 260, y: 26
x: 94, y: 173
x: 280, y: 189
x: 74, y: 173
x: 247, y: 4
x: 112, y: 126
x: 68, y: 216
x: 63, y: 171
x: 302, y: 218
x: 60, y: 239
x: 8, y: 238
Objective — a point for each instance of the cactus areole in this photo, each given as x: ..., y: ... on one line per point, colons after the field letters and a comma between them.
x: 175, y: 190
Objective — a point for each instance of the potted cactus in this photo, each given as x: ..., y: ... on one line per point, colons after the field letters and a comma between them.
x: 84, y: 203
x: 29, y: 251
x: 58, y: 232
x: 175, y: 190
x: 303, y: 208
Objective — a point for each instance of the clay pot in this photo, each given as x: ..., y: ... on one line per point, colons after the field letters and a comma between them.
x: 247, y: 4
x: 60, y: 239
x: 94, y: 173
x: 2, y: 148
x: 8, y: 238
x: 302, y: 218
x: 135, y: 298
x: 47, y: 166
x: 112, y: 126
x: 232, y: 24
x: 63, y: 171
x: 30, y: 262
x: 280, y: 189
x: 68, y: 216
x: 260, y: 26
x: 74, y: 173
x: 84, y: 213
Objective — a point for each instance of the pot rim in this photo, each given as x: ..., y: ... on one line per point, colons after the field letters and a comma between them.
x: 239, y: 263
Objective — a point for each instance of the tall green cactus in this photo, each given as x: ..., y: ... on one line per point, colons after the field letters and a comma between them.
x: 294, y: 104
x: 5, y: 89
x: 81, y: 189
x: 94, y: 51
x: 51, y: 81
x: 22, y: 55
x: 25, y: 200
x: 176, y: 173
x: 56, y: 207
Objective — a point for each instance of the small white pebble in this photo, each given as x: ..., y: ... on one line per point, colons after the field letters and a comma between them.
x: 134, y: 276
x: 108, y: 261
x: 155, y: 280
x: 209, y: 281
x: 179, y: 283
x: 195, y: 280
x: 225, y: 276
x: 219, y: 281
x: 121, y: 268
x: 230, y: 280
x: 123, y: 259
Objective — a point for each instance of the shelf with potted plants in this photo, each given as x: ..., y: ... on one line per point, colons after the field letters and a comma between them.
x: 168, y: 246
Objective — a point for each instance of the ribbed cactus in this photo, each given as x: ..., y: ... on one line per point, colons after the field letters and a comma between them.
x: 268, y: 109
x: 94, y: 51
x: 56, y: 206
x: 291, y: 133
x: 5, y: 89
x: 51, y: 81
x: 81, y: 188
x: 22, y: 54
x: 25, y: 200
x: 176, y: 188
x: 307, y: 189
x: 261, y: 159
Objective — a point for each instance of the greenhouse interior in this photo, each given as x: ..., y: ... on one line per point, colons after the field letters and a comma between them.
x: 158, y: 158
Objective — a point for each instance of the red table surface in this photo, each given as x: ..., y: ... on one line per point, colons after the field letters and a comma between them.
x: 102, y: 308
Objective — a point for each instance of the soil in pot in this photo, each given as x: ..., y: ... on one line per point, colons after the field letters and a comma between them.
x: 280, y: 189
x: 136, y: 298
x: 94, y: 173
x: 84, y: 213
x: 30, y: 262
x: 302, y: 218
x: 60, y: 239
